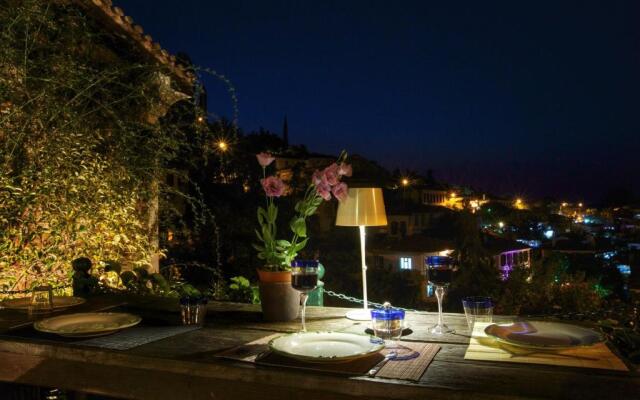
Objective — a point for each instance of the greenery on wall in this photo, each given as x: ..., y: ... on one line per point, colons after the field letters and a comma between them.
x: 83, y: 154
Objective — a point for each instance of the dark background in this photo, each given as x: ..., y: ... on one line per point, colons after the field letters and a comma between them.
x: 527, y: 98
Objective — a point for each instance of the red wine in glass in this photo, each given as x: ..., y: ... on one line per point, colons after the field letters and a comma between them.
x: 304, y: 278
x: 305, y: 282
x: 440, y: 275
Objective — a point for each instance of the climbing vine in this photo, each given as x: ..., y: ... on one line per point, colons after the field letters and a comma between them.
x: 89, y: 135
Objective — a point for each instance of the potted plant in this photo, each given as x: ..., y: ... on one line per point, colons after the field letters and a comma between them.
x: 280, y: 302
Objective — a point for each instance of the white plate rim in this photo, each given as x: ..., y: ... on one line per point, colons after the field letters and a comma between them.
x: 38, y: 324
x: 377, y: 348
x: 542, y: 346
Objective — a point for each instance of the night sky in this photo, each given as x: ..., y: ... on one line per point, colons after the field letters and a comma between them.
x: 535, y: 98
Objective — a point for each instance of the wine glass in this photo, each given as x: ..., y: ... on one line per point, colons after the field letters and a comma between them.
x: 304, y: 278
x: 440, y: 275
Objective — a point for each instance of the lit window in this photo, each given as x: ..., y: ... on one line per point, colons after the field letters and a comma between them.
x: 405, y: 262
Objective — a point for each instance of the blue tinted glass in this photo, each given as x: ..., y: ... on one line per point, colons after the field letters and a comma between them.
x: 305, y: 263
x: 439, y: 260
x: 477, y: 302
x: 389, y: 314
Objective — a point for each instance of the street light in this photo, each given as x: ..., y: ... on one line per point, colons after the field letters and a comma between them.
x: 405, y: 182
x: 222, y: 145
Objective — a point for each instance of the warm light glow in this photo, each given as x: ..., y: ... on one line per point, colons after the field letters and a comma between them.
x: 453, y: 194
x: 501, y: 224
x: 405, y: 182
x: 564, y: 204
x: 222, y: 145
x: 201, y: 119
x: 518, y: 201
x: 579, y: 204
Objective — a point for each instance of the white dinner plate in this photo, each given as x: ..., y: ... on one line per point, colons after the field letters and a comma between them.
x: 87, y: 324
x: 59, y: 302
x: 326, y: 346
x: 543, y: 335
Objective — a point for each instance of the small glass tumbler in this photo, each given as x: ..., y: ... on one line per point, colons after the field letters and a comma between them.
x: 193, y: 310
x: 387, y: 324
x: 41, y: 300
x: 477, y: 309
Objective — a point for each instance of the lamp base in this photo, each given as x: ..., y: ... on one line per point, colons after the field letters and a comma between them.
x: 359, y: 315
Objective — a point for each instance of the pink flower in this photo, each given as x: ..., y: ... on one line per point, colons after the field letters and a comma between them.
x: 331, y: 174
x: 273, y: 187
x: 340, y: 191
x: 345, y: 169
x: 324, y: 190
x: 264, y: 159
x: 317, y: 178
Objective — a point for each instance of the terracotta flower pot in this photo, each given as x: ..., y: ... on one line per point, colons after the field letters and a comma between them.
x: 279, y: 301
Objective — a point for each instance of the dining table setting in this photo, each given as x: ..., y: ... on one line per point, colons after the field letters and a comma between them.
x: 194, y: 349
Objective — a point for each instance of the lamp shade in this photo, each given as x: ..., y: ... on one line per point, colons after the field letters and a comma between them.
x: 362, y: 207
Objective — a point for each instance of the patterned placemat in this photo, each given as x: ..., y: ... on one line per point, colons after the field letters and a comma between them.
x: 484, y: 348
x: 136, y: 336
x: 258, y: 352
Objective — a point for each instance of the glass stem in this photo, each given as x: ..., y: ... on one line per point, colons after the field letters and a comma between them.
x: 439, y: 296
x: 304, y: 308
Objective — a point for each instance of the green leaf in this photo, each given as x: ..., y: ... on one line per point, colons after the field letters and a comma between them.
x: 273, y: 212
x: 299, y: 226
x: 259, y: 235
x: 266, y: 234
x: 301, y: 245
x: 262, y: 215
x: 310, y: 211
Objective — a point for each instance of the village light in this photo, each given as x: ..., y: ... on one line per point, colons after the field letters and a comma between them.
x: 579, y: 204
x: 201, y: 119
x: 501, y: 224
x: 405, y: 182
x: 453, y: 194
x: 222, y: 145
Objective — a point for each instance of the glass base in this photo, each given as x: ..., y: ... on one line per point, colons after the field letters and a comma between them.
x: 359, y: 315
x: 440, y: 329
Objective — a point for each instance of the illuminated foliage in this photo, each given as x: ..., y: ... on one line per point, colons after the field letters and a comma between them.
x: 84, y: 149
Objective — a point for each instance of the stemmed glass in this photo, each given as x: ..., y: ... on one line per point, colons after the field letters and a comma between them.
x: 304, y: 278
x: 440, y: 275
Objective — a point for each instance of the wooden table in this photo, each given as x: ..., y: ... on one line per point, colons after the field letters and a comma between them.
x: 183, y: 366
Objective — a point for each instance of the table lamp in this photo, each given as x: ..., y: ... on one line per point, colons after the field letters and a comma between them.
x: 362, y: 207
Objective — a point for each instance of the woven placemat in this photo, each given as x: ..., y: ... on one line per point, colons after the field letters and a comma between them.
x: 412, y: 369
x: 136, y: 336
x: 258, y: 352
